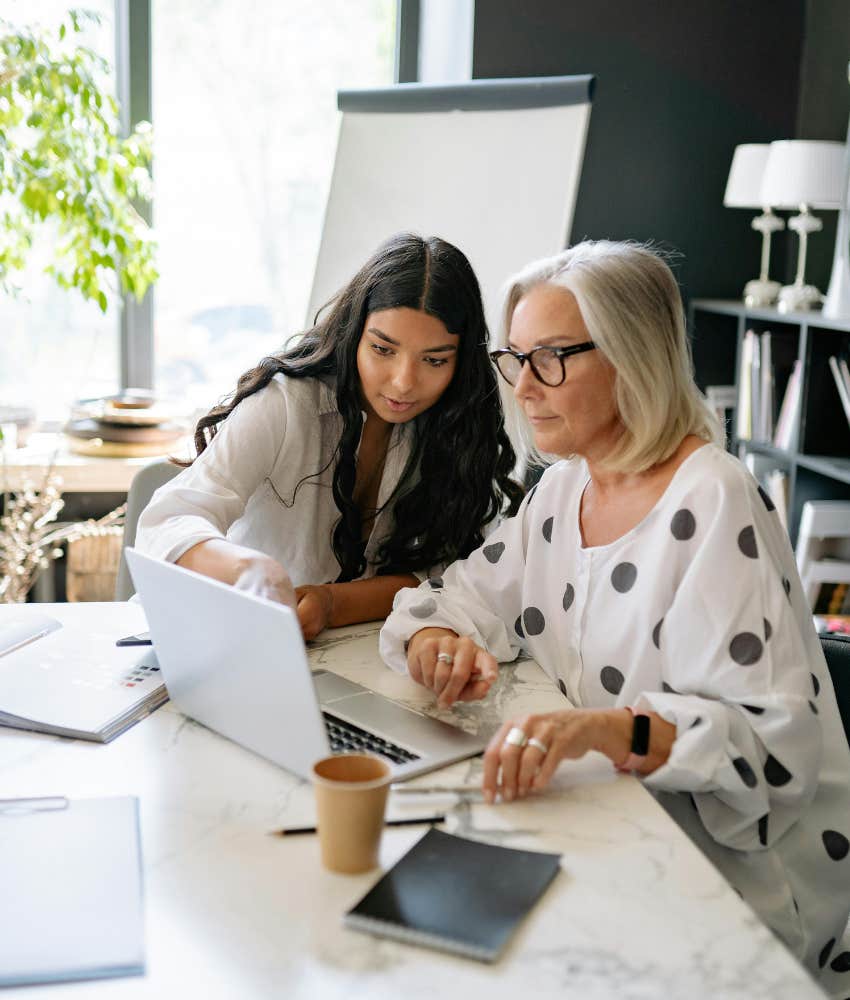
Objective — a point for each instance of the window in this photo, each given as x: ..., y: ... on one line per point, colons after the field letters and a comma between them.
x: 245, y: 123
x: 54, y: 346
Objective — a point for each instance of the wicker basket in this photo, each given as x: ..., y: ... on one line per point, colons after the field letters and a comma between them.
x: 93, y: 565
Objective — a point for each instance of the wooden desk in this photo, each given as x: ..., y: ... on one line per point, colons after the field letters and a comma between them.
x: 234, y: 912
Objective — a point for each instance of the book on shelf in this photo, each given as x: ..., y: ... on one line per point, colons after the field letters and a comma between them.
x: 756, y: 388
x: 456, y: 895
x: 841, y: 374
x: 61, y: 672
x: 786, y: 423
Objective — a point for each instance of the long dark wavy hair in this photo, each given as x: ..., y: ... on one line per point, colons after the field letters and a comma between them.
x: 458, y: 475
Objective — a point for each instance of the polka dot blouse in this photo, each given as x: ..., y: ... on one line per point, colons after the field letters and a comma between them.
x: 697, y: 614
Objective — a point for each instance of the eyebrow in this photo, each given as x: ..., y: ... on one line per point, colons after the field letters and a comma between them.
x: 442, y: 349
x: 547, y: 341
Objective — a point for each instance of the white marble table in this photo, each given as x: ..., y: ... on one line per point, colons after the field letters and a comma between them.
x: 233, y: 911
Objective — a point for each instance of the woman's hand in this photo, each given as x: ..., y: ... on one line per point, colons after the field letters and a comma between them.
x: 314, y: 609
x: 451, y: 666
x: 261, y: 575
x: 514, y: 770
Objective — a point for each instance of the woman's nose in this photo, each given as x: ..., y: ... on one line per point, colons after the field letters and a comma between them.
x: 526, y: 384
x: 404, y: 376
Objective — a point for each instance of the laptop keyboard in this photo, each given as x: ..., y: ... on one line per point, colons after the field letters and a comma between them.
x: 347, y: 738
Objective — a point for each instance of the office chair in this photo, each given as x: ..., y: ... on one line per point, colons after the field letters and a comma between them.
x: 145, y: 483
x: 836, y: 649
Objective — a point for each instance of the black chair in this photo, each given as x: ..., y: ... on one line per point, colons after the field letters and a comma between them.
x: 836, y: 649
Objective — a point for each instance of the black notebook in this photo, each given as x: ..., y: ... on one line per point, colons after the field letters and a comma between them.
x: 456, y: 895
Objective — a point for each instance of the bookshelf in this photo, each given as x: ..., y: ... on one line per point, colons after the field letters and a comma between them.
x: 817, y: 461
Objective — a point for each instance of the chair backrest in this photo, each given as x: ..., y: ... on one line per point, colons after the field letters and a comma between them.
x: 145, y: 483
x: 836, y: 649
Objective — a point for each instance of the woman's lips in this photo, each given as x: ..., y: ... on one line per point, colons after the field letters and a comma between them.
x: 396, y: 405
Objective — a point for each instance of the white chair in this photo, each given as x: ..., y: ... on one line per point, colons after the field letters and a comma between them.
x: 145, y: 483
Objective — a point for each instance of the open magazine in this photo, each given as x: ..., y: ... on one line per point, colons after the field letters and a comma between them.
x: 61, y: 672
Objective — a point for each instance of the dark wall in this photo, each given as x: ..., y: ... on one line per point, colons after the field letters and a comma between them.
x: 679, y: 85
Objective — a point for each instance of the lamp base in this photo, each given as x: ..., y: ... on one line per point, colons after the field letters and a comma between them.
x: 798, y: 298
x: 759, y: 292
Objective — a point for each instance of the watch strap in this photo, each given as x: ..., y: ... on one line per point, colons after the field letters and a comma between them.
x: 640, y: 742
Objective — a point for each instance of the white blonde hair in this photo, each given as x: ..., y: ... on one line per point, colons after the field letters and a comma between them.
x: 631, y: 306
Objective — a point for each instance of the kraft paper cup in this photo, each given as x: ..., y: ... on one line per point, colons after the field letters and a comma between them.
x: 351, y: 795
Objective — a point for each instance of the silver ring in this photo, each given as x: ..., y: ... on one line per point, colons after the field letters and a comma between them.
x: 445, y: 658
x: 538, y: 745
x: 516, y: 737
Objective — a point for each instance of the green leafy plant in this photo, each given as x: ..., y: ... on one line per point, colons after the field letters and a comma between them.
x: 63, y: 163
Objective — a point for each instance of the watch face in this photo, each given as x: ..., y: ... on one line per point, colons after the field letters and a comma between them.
x: 640, y: 736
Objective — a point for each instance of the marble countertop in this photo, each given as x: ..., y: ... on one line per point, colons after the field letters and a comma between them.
x: 235, y: 911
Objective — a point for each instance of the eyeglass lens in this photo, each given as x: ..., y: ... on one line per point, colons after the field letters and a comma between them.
x: 545, y: 363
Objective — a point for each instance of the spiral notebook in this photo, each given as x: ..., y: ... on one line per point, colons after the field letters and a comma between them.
x: 455, y: 895
x: 61, y: 672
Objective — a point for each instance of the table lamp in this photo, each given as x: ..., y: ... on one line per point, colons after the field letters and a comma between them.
x: 837, y: 301
x: 803, y: 174
x: 743, y: 190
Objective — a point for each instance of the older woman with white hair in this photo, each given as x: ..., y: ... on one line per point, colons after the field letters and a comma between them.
x: 650, y: 577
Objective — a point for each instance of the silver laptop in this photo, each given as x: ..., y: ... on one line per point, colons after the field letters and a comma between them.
x: 237, y: 663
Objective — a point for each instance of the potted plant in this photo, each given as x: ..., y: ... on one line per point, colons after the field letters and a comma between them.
x: 66, y: 169
x: 65, y: 165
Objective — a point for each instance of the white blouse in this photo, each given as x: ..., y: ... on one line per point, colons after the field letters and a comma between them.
x: 697, y: 614
x: 265, y: 481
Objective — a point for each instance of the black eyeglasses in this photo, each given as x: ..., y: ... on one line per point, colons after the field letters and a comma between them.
x: 547, y: 363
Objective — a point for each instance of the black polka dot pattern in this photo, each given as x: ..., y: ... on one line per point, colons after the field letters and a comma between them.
x: 786, y: 586
x: 746, y: 648
x: 562, y: 687
x: 748, y: 775
x: 776, y: 774
x: 493, y: 553
x: 569, y: 597
x: 518, y: 627
x: 656, y: 634
x: 768, y: 630
x: 667, y: 689
x: 747, y: 542
x: 836, y: 844
x: 696, y: 722
x: 767, y: 501
x: 547, y: 528
x: 755, y: 709
x: 612, y: 680
x: 815, y: 685
x: 813, y: 707
x: 763, y: 830
x: 435, y: 582
x: 425, y: 609
x: 533, y: 621
x: 623, y: 577
x: 823, y: 958
x: 841, y: 963
x: 683, y: 525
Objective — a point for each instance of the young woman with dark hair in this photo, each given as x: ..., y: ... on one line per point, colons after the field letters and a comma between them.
x: 371, y: 450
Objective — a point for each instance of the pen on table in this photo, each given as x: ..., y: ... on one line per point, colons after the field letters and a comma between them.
x: 412, y: 821
x: 436, y: 789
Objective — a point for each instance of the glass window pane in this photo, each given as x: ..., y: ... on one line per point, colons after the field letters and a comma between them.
x: 54, y: 346
x: 245, y: 125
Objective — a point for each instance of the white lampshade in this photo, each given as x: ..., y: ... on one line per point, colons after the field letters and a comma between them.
x: 802, y: 172
x: 743, y: 189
